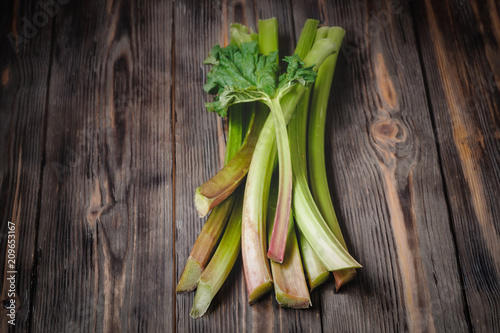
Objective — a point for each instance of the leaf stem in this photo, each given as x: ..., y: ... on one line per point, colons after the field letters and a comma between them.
x: 277, y: 244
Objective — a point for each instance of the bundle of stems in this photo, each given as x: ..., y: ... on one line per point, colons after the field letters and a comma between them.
x: 285, y: 132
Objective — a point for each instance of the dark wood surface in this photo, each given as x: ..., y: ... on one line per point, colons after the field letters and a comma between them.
x: 104, y: 137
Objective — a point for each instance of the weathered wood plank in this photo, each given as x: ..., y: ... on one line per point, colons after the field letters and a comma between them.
x: 24, y: 70
x: 101, y: 187
x: 386, y: 180
x: 105, y: 250
x: 460, y: 47
x: 197, y: 154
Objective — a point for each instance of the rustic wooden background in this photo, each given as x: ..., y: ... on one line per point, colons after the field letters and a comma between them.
x: 104, y: 137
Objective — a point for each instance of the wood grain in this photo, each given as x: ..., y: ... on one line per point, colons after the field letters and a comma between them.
x: 104, y: 138
x: 462, y: 75
x: 24, y: 71
x: 197, y: 151
x: 106, y: 247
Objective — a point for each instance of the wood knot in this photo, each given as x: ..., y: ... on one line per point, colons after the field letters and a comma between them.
x: 95, y: 206
x: 390, y: 138
x: 388, y: 132
x: 93, y: 214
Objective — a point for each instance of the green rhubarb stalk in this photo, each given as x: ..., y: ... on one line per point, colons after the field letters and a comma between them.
x: 222, y: 262
x: 309, y: 219
x: 268, y: 36
x: 316, y: 273
x: 241, y: 34
x: 316, y: 139
x: 216, y: 222
x: 290, y: 285
x: 257, y: 274
x: 316, y: 150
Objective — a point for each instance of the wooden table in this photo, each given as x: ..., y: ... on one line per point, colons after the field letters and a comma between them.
x: 104, y: 137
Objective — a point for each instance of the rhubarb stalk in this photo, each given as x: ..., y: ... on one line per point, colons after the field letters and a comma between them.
x: 316, y: 150
x: 316, y: 273
x: 290, y: 285
x: 222, y: 262
x: 309, y: 219
x: 268, y: 42
x: 216, y: 222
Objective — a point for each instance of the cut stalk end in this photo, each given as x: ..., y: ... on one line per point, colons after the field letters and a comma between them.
x: 292, y: 301
x: 259, y: 291
x: 316, y: 273
x: 202, y: 203
x: 190, y: 276
x: 202, y: 301
x: 343, y: 277
x: 319, y: 280
x: 276, y: 257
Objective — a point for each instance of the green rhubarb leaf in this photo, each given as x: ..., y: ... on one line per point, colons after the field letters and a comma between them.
x: 241, y: 75
x: 296, y: 73
x: 241, y: 69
